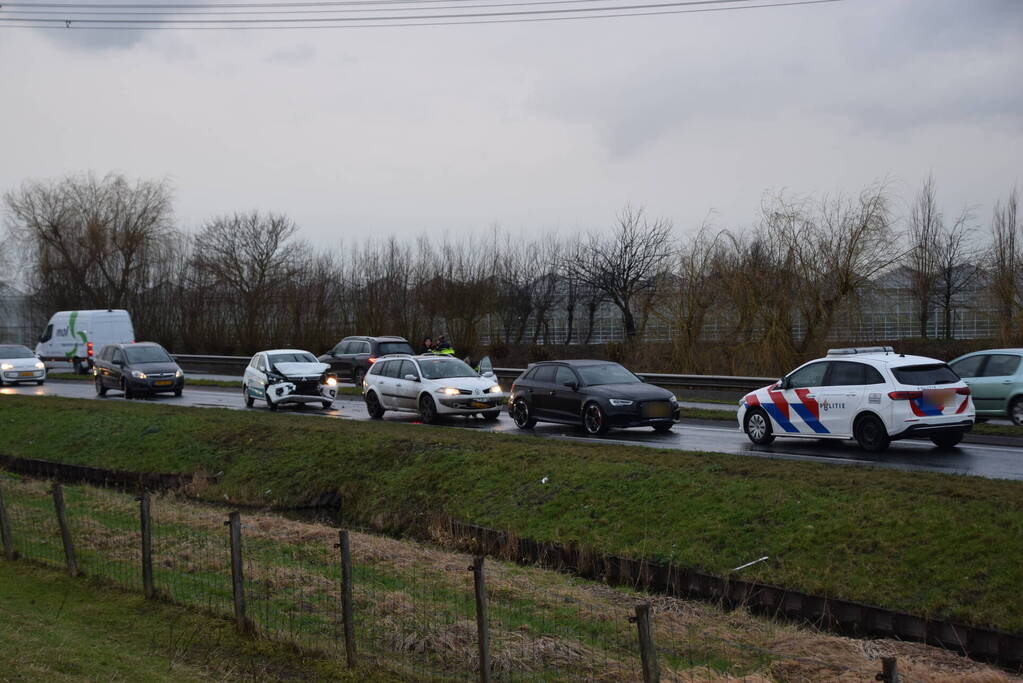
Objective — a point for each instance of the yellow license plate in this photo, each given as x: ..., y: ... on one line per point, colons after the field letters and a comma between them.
x: 480, y: 404
x: 658, y: 410
x: 163, y: 383
x: 26, y: 374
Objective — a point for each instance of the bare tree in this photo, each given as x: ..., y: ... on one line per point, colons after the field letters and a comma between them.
x: 1005, y: 260
x: 958, y: 267
x: 926, y: 228
x: 626, y: 264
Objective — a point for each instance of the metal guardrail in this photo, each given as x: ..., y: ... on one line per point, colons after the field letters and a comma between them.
x: 236, y: 364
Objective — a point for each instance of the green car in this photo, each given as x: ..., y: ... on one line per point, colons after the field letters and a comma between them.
x: 995, y: 378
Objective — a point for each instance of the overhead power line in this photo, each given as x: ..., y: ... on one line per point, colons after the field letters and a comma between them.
x: 447, y: 19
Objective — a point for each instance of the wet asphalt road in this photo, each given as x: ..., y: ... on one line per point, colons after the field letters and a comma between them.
x: 991, y: 461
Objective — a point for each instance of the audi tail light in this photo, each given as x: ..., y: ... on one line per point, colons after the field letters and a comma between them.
x: 963, y: 391
x: 905, y: 395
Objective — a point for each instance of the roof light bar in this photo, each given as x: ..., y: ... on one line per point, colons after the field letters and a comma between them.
x: 860, y: 349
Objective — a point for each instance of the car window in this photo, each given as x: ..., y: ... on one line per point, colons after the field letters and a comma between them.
x: 254, y: 362
x: 1001, y: 365
x: 15, y: 351
x: 395, y: 347
x: 934, y: 373
x: 969, y: 367
x: 441, y: 367
x: 118, y: 357
x: 147, y: 354
x: 808, y: 376
x: 47, y: 334
x: 261, y: 362
x: 544, y: 374
x: 337, y: 350
x: 360, y: 347
x: 300, y: 357
x: 564, y: 376
x: 389, y: 368
x: 845, y: 373
x: 408, y: 368
x: 485, y: 365
x: 606, y: 373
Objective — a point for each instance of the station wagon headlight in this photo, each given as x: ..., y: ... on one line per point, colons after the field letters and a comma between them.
x: 448, y: 391
x: 496, y: 389
x: 6, y: 366
x: 620, y: 402
x: 138, y: 374
x: 40, y: 365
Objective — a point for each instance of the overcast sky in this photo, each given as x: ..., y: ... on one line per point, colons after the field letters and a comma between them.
x: 536, y: 127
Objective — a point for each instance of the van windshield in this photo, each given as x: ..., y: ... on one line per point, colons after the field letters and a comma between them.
x: 147, y: 354
x: 15, y: 351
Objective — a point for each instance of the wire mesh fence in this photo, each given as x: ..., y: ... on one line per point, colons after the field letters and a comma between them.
x: 417, y: 612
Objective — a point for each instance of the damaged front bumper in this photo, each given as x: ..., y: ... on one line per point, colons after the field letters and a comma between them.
x: 289, y: 392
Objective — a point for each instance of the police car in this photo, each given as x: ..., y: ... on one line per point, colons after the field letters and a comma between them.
x: 872, y: 395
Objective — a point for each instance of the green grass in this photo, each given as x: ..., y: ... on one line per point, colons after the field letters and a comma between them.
x: 56, y: 628
x: 707, y: 414
x: 998, y: 430
x: 189, y: 381
x: 937, y: 545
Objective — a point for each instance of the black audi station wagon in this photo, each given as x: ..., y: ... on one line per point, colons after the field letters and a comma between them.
x: 596, y: 394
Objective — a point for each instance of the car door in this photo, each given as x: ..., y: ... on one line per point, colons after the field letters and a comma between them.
x: 840, y: 400
x: 996, y: 381
x: 387, y: 384
x: 795, y: 409
x: 566, y: 401
x: 542, y: 391
x: 408, y: 389
x: 117, y: 368
x: 333, y: 357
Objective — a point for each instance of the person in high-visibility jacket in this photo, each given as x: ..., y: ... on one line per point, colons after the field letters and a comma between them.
x: 443, y: 346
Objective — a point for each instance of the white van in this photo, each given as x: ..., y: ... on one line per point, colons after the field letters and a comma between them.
x: 73, y: 336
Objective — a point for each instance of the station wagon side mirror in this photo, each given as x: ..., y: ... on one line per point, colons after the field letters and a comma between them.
x: 574, y: 386
x: 412, y: 378
x: 784, y: 383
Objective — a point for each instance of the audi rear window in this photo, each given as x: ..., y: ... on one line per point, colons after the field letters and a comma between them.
x: 920, y: 375
x: 387, y: 348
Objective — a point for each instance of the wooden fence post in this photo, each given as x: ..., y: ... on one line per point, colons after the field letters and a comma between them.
x: 889, y: 670
x: 347, y: 609
x: 146, y: 524
x: 234, y: 521
x: 65, y: 531
x: 482, y: 621
x: 5, y: 530
x: 647, y: 652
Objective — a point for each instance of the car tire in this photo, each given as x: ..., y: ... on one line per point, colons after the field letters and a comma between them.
x: 1016, y: 411
x: 757, y: 426
x: 126, y: 389
x: 373, y: 407
x: 491, y: 416
x: 945, y: 441
x: 594, y: 419
x: 357, y: 375
x: 178, y: 392
x: 39, y: 382
x: 870, y: 433
x: 249, y: 401
x: 522, y: 415
x: 327, y: 405
x: 663, y: 429
x: 100, y: 389
x: 428, y: 410
x: 270, y: 404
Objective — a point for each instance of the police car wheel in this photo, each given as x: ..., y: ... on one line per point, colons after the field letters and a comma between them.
x: 871, y: 435
x: 758, y: 427
x: 373, y: 407
x: 522, y: 415
x: 594, y: 420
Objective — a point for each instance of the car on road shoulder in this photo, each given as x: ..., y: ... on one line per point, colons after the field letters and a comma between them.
x: 19, y: 364
x: 288, y: 376
x: 870, y: 394
x: 433, y: 386
x: 995, y: 378
x: 352, y: 357
x: 596, y: 394
x: 137, y: 369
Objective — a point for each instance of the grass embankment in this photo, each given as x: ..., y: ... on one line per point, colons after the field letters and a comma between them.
x: 413, y: 604
x: 55, y: 628
x: 937, y: 545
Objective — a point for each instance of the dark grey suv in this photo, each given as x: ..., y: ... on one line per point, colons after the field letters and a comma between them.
x: 137, y: 369
x: 353, y: 356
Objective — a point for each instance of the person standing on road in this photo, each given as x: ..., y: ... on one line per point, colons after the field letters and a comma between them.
x: 428, y: 346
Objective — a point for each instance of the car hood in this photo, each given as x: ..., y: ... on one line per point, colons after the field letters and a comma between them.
x: 21, y: 363
x: 150, y: 368
x: 301, y: 369
x: 465, y: 382
x: 636, y: 391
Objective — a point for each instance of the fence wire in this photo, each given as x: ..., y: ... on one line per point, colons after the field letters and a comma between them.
x: 415, y: 611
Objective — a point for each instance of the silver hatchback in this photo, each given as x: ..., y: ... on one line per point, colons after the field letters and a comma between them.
x: 995, y: 378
